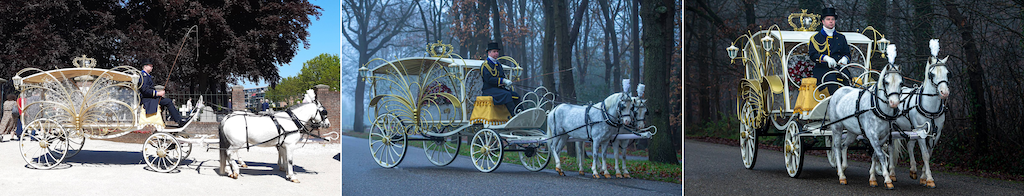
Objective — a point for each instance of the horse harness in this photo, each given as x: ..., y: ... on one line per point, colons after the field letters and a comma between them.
x: 280, y: 130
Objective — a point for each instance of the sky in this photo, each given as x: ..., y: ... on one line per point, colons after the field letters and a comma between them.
x: 324, y: 37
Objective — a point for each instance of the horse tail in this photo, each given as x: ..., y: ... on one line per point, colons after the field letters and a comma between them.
x: 224, y: 145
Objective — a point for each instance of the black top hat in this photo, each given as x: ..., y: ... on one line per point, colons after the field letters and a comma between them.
x: 828, y: 11
x: 145, y: 62
x: 493, y: 46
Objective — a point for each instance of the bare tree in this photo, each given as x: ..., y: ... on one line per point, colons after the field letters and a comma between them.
x: 369, y: 27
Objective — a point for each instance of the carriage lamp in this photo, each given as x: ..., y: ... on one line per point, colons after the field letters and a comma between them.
x: 17, y: 82
x: 768, y: 42
x: 732, y: 51
x: 882, y: 43
x: 363, y: 72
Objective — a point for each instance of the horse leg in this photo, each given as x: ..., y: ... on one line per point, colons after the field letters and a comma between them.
x: 614, y: 157
x: 556, y: 148
x: 882, y: 157
x: 593, y: 164
x: 234, y: 166
x: 894, y: 155
x: 871, y: 172
x: 580, y: 156
x: 281, y: 157
x: 289, y: 162
x: 604, y: 163
x: 837, y: 148
x: 913, y: 161
x: 926, y: 154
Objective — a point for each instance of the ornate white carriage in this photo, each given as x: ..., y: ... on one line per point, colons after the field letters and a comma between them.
x: 436, y: 100
x: 65, y: 106
x: 767, y: 95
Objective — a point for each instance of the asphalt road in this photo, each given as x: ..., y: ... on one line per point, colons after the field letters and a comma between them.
x: 715, y: 169
x: 113, y: 168
x: 417, y: 176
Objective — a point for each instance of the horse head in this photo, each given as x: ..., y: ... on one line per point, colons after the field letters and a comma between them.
x: 639, y: 112
x: 937, y: 71
x: 319, y: 119
x: 620, y: 104
x: 891, y: 78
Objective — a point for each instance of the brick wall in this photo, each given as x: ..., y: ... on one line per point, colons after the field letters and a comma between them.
x: 332, y: 102
x: 237, y: 98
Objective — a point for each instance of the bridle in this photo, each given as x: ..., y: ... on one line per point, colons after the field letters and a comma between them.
x: 323, y: 115
x: 931, y: 76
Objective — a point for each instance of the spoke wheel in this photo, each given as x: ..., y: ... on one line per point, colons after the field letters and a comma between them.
x: 794, y: 151
x: 76, y: 140
x: 442, y: 151
x: 186, y: 148
x: 748, y: 140
x: 387, y: 141
x: 161, y: 152
x: 535, y: 156
x: 42, y: 144
x: 486, y: 150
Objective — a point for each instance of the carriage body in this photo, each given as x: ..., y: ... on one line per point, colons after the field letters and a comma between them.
x: 772, y: 95
x: 431, y: 99
x: 63, y: 107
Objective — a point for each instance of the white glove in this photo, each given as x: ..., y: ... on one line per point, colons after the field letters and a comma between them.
x: 844, y: 61
x: 506, y: 82
x: 831, y: 62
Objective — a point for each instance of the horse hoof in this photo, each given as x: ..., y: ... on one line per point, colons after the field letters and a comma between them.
x: 295, y: 180
x: 873, y: 183
x: 893, y: 178
x: 235, y: 176
x: 913, y: 175
x: 889, y: 186
x: 559, y: 170
x: 930, y: 184
x: 627, y: 175
x: 244, y: 166
x: 618, y: 175
x: 842, y: 181
x: 923, y: 182
x: 607, y: 176
x: 581, y: 173
x: 597, y: 176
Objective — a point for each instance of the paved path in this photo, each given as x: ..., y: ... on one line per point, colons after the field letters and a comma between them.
x: 113, y: 168
x: 417, y: 176
x: 715, y: 169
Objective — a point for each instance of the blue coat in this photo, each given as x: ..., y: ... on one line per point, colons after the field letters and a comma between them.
x: 491, y: 73
x: 834, y: 46
x: 149, y: 99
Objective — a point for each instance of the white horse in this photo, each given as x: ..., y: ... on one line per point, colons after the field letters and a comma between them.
x: 242, y: 130
x: 925, y: 115
x: 597, y: 123
x: 859, y: 113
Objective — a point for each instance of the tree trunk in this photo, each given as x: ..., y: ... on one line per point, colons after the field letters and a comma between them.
x: 922, y: 30
x: 975, y: 79
x: 496, y: 21
x: 658, y: 17
x: 634, y: 74
x: 547, y: 58
x: 609, y: 30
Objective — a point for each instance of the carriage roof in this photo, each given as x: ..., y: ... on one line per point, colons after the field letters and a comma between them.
x: 418, y: 64
x: 804, y: 36
x: 69, y: 73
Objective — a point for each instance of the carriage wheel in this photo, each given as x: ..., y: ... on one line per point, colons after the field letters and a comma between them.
x: 387, y: 140
x: 535, y: 156
x: 43, y: 144
x: 486, y: 150
x: 442, y: 151
x: 76, y: 140
x: 186, y: 148
x: 161, y: 152
x: 748, y: 140
x: 794, y: 151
